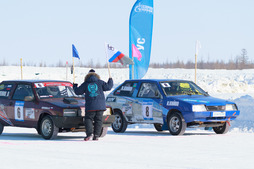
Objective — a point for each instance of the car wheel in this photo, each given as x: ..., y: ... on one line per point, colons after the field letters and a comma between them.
x: 48, y: 130
x: 158, y: 126
x: 222, y: 129
x: 120, y: 124
x: 104, y: 131
x: 1, y: 128
x: 176, y: 124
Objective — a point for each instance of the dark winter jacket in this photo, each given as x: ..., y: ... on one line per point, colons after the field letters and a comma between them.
x: 93, y: 88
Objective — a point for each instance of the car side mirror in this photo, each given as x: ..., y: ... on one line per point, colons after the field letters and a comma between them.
x: 28, y: 98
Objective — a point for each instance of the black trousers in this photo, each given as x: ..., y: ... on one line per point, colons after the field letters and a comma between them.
x: 93, y: 122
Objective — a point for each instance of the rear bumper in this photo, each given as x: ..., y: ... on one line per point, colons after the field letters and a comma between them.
x: 78, y: 122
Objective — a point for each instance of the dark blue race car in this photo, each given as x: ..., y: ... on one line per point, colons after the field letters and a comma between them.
x: 170, y: 105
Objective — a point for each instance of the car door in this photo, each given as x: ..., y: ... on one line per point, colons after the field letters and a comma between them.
x: 149, y: 104
x: 23, y: 111
x: 5, y: 92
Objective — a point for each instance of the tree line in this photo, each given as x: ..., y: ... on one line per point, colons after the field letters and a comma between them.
x: 241, y: 61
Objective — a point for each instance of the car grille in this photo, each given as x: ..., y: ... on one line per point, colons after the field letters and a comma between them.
x: 215, y: 108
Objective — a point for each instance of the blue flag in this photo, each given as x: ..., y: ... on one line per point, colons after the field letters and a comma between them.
x: 75, y: 52
x: 140, y: 37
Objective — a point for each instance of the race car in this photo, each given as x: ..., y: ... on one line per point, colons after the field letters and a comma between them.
x: 170, y: 105
x: 46, y: 105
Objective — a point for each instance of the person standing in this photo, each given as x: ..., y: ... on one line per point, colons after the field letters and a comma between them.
x: 95, y: 105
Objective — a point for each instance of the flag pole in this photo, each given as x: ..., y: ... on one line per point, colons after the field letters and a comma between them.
x: 107, y: 59
x: 73, y: 70
x: 21, y: 66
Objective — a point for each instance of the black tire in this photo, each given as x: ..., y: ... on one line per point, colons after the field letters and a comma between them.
x: 104, y: 131
x: 158, y: 126
x: 176, y: 124
x: 1, y: 128
x: 222, y: 129
x: 48, y: 130
x: 120, y: 124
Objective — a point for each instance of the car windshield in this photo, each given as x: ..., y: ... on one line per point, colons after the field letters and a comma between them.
x: 173, y: 88
x: 54, y: 90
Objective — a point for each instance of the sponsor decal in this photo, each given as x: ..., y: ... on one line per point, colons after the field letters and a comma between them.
x: 126, y: 88
x: 47, y: 108
x: 18, y: 110
x: 121, y: 101
x: 143, y: 8
x: 1, y: 87
x: 165, y: 85
x: 172, y: 103
x: 29, y: 113
x: 193, y: 100
x: 3, y: 93
x: 40, y: 85
x: 3, y: 115
x: 111, y: 99
x: 127, y: 109
x: 147, y: 108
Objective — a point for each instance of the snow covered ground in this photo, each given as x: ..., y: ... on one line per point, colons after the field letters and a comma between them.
x: 140, y: 146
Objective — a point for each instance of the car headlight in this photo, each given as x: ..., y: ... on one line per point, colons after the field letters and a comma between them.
x: 230, y: 107
x: 107, y: 112
x: 198, y: 108
x: 70, y: 112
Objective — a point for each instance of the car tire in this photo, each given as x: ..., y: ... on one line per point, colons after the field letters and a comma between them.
x: 104, y: 131
x: 120, y: 124
x: 1, y: 128
x: 176, y: 124
x: 222, y: 129
x: 48, y: 130
x: 158, y: 126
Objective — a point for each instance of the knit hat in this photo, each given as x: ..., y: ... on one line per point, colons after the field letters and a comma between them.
x: 90, y: 71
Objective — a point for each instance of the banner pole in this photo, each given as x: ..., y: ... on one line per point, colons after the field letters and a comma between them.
x: 107, y: 59
x: 66, y: 70
x: 21, y: 66
x: 195, y: 67
x: 73, y: 70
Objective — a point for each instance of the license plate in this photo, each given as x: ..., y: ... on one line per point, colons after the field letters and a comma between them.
x: 219, y: 114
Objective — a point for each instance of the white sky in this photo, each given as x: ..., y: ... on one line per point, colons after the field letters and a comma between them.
x: 43, y: 31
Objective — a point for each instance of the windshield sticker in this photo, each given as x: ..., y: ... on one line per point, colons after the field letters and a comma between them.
x: 19, y: 114
x: 1, y: 87
x: 135, y: 84
x: 165, y: 85
x: 29, y: 113
x: 3, y: 93
x: 3, y: 115
x: 41, y: 85
x: 172, y: 103
x: 126, y: 88
x: 192, y: 100
x: 147, y: 112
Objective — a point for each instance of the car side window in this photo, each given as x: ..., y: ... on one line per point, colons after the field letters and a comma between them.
x: 5, y: 90
x: 149, y: 90
x: 126, y: 89
x: 23, y: 91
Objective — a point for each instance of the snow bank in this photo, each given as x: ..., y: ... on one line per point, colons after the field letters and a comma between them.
x: 235, y: 85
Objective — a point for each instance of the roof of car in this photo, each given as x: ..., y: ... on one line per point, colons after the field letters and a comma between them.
x: 156, y: 80
x: 31, y: 81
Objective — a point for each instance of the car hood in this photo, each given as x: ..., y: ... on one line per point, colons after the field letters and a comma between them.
x: 66, y: 102
x: 198, y: 99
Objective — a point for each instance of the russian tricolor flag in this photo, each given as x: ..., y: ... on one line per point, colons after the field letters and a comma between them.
x: 117, y: 56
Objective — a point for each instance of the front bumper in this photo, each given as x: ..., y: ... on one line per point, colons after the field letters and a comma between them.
x: 78, y: 122
x: 210, y: 117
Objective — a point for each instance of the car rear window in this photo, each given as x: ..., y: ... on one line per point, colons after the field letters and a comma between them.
x: 126, y: 89
x: 5, y: 90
